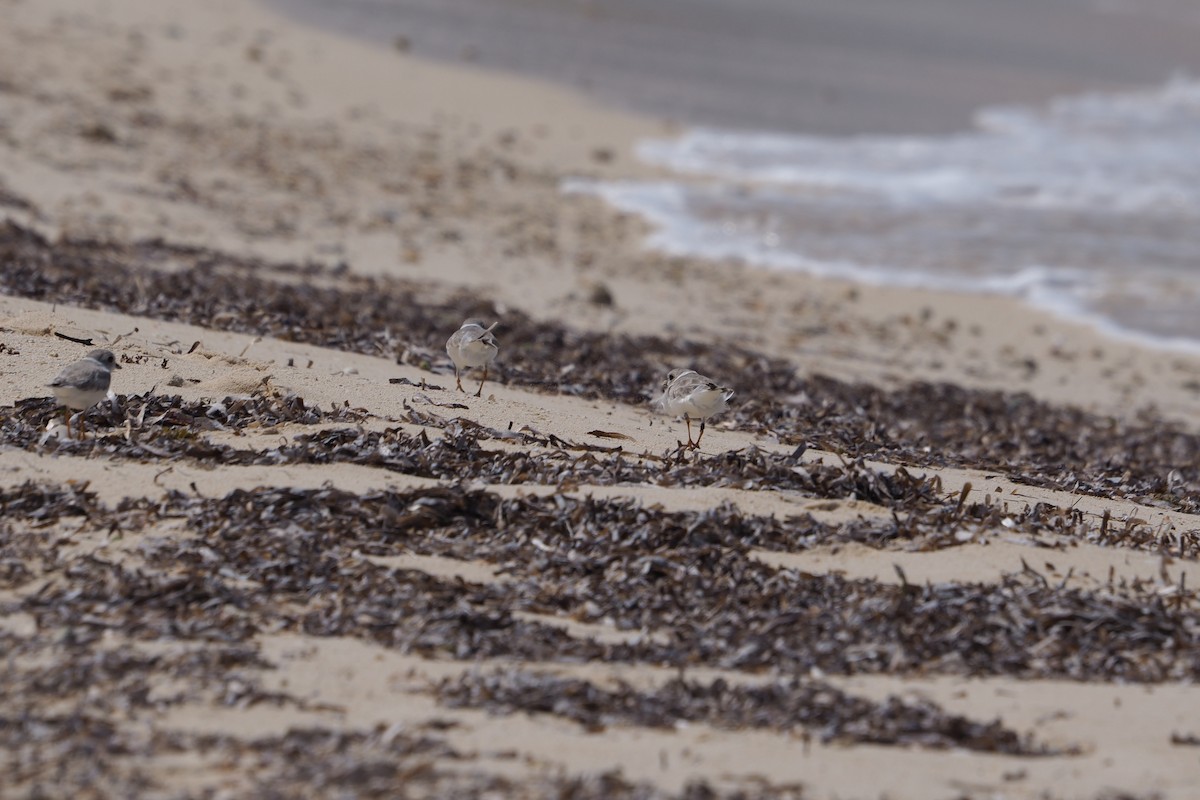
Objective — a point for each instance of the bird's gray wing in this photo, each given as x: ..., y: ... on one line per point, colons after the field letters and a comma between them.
x: 84, y: 376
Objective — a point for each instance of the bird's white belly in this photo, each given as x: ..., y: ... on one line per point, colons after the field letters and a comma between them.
x: 476, y: 354
x: 78, y: 399
x: 701, y: 404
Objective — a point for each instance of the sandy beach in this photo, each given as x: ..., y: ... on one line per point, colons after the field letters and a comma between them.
x: 941, y: 545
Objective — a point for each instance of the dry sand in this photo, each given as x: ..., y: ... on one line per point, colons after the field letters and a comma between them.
x: 223, y: 126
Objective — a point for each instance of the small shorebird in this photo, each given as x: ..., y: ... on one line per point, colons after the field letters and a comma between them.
x: 694, y: 396
x: 472, y: 345
x: 84, y: 383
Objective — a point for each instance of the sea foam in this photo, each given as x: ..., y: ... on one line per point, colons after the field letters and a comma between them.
x: 1088, y: 207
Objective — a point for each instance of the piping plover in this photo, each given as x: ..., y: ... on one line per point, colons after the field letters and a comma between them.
x: 694, y: 396
x: 84, y: 383
x: 472, y: 345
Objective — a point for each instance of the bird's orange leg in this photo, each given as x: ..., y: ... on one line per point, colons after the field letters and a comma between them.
x: 479, y: 391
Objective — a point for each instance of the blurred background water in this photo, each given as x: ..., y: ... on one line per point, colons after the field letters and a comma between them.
x: 1035, y: 147
x: 1089, y: 207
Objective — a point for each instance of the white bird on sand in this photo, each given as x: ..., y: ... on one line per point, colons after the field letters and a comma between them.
x: 83, y: 383
x: 472, y: 345
x: 694, y: 396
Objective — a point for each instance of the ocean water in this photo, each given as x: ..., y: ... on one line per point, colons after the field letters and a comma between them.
x: 825, y: 67
x: 1088, y: 206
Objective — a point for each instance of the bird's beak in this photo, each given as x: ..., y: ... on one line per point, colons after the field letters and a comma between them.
x: 116, y: 365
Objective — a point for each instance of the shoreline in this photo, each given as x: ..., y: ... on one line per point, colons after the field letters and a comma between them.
x: 984, y: 212
x: 1023, y: 68
x: 947, y: 537
x: 824, y: 67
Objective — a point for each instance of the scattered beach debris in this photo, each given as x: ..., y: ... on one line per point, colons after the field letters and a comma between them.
x: 783, y: 706
x: 1011, y: 434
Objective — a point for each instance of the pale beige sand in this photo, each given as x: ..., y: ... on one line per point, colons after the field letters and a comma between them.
x: 370, y: 685
x: 255, y: 136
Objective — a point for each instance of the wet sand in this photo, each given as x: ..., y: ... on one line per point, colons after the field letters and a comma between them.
x: 825, y: 67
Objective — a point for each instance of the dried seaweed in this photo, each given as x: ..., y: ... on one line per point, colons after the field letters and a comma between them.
x: 65, y: 705
x: 783, y: 706
x: 82, y: 721
x: 10, y: 199
x: 27, y: 516
x: 457, y: 454
x: 167, y: 412
x: 291, y: 559
x: 94, y: 595
x: 169, y: 427
x: 37, y: 504
x: 90, y: 748
x: 165, y: 429
x: 286, y: 559
x: 301, y: 560
x: 383, y: 763
x: 643, y: 569
x: 1143, y: 459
